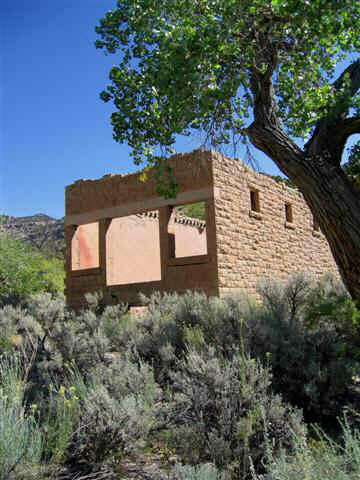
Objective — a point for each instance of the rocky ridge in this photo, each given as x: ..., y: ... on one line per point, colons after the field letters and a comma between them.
x: 39, y: 230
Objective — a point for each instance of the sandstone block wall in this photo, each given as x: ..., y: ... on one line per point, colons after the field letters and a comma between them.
x: 122, y: 239
x: 254, y: 245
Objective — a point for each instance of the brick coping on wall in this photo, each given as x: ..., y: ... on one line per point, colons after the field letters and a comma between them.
x: 178, y: 218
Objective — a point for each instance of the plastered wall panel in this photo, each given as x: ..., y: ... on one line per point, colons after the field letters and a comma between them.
x: 133, y: 250
x: 85, y: 247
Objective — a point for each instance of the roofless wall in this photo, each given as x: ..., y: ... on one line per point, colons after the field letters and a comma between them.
x: 141, y: 244
x: 122, y: 239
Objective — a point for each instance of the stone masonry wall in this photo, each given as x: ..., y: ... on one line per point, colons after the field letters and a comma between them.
x: 248, y: 238
x: 258, y: 245
x: 193, y: 172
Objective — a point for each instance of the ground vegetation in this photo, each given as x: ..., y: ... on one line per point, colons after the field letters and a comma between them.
x: 195, y: 388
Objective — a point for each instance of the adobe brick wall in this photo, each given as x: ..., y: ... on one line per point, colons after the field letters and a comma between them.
x: 253, y: 246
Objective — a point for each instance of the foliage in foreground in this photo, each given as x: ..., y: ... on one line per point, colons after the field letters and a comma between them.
x: 95, y: 395
x: 224, y: 406
x: 208, y: 379
x: 88, y: 404
x: 322, y: 458
x: 311, y: 460
x: 312, y: 350
x: 21, y: 441
x: 205, y: 471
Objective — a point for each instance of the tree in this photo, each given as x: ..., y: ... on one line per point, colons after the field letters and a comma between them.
x: 24, y: 271
x: 262, y: 70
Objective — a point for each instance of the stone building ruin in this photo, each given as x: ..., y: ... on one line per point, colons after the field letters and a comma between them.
x: 123, y: 239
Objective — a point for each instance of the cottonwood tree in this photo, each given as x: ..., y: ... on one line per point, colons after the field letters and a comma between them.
x: 272, y: 72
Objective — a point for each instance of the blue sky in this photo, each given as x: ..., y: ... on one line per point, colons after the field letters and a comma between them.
x: 54, y: 129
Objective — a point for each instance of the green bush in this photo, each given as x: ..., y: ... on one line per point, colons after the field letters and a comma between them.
x: 312, y: 367
x: 314, y: 460
x: 222, y: 407
x: 107, y: 405
x: 329, y: 306
x: 173, y: 322
x: 21, y: 440
x: 118, y: 409
x: 58, y: 339
x: 309, y: 365
x: 206, y: 471
x: 24, y: 271
x: 59, y: 422
x: 80, y: 425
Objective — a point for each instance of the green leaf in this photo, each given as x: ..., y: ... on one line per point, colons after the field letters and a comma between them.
x: 196, y: 60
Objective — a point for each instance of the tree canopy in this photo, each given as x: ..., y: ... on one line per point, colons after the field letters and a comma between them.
x: 191, y: 64
x: 271, y: 71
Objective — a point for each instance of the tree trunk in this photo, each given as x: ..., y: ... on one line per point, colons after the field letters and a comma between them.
x: 336, y: 206
x: 332, y: 198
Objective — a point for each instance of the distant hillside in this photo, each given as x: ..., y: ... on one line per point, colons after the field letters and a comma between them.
x: 39, y: 230
x: 47, y: 233
x: 38, y: 217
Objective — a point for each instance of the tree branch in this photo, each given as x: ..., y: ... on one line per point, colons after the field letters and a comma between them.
x: 353, y: 70
x: 266, y: 132
x: 351, y: 126
x: 263, y: 91
x: 332, y: 131
x: 333, y: 137
x: 342, y: 131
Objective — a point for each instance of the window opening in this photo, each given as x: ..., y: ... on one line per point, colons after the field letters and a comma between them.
x: 187, y: 231
x: 254, y: 200
x: 288, y: 213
